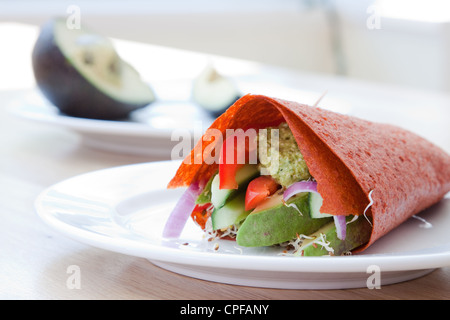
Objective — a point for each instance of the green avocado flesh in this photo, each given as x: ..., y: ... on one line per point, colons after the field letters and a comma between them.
x: 278, y: 224
x: 357, y: 233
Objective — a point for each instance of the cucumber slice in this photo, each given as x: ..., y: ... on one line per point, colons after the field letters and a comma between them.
x: 232, y: 212
x: 315, y: 202
x: 219, y: 196
x: 243, y: 176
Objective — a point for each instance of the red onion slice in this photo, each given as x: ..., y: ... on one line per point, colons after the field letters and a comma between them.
x: 302, y: 186
x: 311, y: 186
x: 341, y: 227
x: 182, y: 211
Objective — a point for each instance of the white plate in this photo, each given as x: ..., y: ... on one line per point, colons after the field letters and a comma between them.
x: 124, y: 210
x: 148, y: 132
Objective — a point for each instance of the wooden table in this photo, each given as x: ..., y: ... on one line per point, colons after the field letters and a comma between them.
x: 34, y: 259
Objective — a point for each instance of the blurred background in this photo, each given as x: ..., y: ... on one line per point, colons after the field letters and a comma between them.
x: 399, y: 42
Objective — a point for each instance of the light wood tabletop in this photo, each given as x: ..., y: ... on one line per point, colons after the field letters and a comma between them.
x: 35, y: 260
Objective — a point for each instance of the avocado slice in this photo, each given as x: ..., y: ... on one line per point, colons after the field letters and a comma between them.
x: 357, y: 233
x: 275, y: 222
x: 81, y: 73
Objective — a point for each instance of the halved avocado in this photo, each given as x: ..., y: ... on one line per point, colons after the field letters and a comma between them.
x: 214, y: 92
x: 81, y: 73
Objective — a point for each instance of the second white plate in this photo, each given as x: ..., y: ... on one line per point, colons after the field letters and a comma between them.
x: 150, y: 131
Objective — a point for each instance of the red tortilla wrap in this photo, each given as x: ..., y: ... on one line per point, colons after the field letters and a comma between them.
x: 350, y: 158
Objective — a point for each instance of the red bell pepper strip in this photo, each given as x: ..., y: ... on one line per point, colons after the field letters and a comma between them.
x: 201, y: 213
x: 234, y: 154
x: 258, y: 190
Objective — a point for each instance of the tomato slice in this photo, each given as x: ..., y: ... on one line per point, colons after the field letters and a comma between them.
x: 258, y: 190
x: 201, y: 213
x: 234, y: 154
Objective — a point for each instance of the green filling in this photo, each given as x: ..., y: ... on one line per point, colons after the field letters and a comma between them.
x: 286, y: 165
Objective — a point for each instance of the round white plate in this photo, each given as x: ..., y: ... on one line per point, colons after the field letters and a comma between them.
x: 124, y: 209
x: 150, y: 131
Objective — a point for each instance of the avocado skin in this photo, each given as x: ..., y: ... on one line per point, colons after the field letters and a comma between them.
x: 357, y: 234
x: 278, y: 224
x: 62, y: 84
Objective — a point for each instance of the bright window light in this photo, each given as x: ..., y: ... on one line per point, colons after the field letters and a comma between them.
x: 436, y: 11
